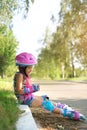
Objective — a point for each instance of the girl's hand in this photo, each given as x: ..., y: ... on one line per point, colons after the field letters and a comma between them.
x: 36, y: 87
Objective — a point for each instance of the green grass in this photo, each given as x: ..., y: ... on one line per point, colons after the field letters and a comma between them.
x: 9, y: 111
x: 79, y: 79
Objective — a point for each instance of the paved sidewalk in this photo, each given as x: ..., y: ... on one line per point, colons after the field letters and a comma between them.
x: 26, y: 120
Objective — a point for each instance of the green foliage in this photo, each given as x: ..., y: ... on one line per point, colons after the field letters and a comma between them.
x: 46, y: 67
x: 8, y: 46
x: 68, y: 44
x: 8, y: 43
x: 74, y: 21
x: 7, y: 8
x: 54, y: 71
x: 10, y: 71
x: 9, y: 111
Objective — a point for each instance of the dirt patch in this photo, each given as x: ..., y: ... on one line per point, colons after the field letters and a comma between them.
x: 51, y: 121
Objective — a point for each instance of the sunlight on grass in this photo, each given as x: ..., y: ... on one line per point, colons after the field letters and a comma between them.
x: 79, y: 79
x: 8, y: 108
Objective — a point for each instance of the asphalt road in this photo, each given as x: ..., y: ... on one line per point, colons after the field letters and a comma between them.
x: 72, y: 93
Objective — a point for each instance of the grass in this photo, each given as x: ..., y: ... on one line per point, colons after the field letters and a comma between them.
x: 79, y: 79
x: 9, y: 111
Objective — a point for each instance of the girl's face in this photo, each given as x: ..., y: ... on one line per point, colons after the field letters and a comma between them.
x: 28, y: 70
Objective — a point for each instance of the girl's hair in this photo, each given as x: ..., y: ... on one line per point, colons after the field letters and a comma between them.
x: 22, y: 70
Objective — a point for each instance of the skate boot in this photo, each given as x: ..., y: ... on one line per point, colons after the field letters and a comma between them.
x: 63, y: 106
x: 82, y: 117
x: 75, y: 115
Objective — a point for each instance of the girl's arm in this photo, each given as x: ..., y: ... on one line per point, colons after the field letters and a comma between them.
x: 19, y: 82
x: 26, y: 89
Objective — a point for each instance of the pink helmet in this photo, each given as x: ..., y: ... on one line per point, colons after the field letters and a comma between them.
x: 25, y: 59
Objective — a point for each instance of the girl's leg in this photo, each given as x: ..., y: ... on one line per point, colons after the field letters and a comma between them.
x: 40, y: 101
x: 45, y: 103
x: 63, y: 106
x: 69, y: 112
x: 37, y: 102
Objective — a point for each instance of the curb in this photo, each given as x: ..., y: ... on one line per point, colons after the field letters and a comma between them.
x: 26, y: 120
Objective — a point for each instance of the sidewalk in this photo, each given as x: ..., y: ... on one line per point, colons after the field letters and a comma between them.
x: 26, y: 120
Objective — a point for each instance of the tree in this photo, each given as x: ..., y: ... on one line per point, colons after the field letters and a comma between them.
x: 73, y: 19
x: 8, y: 46
x: 8, y: 8
x: 8, y: 43
x: 69, y: 41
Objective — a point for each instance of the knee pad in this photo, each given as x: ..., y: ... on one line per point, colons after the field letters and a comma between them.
x: 48, y: 105
x: 45, y: 97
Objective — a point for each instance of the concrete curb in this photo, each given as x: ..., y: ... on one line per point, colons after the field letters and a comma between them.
x: 26, y: 120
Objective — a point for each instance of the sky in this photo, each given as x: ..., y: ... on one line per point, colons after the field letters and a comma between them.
x: 30, y: 30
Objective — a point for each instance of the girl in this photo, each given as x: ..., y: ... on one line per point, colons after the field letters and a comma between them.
x: 24, y: 89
